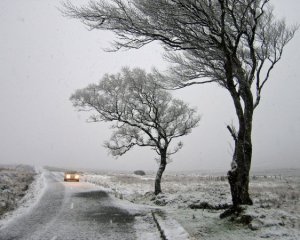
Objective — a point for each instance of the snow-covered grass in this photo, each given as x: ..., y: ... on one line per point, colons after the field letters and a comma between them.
x: 196, y: 201
x: 14, y: 182
x: 192, y: 199
x: 20, y: 187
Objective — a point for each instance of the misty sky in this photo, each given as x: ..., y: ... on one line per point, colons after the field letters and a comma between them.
x: 45, y: 57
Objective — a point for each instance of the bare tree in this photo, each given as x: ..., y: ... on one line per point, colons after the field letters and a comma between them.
x: 235, y: 43
x: 143, y: 113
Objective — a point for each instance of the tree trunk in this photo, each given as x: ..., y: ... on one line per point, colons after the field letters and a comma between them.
x: 162, y: 167
x: 238, y: 176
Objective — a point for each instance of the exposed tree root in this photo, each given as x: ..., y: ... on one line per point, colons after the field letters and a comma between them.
x: 206, y: 205
x: 232, y: 211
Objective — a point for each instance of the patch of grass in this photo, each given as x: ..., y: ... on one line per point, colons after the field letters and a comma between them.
x: 14, y: 184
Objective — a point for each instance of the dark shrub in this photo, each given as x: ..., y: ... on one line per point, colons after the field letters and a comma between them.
x: 139, y: 172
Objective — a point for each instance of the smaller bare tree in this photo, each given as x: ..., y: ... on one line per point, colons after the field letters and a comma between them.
x: 235, y: 43
x: 142, y: 113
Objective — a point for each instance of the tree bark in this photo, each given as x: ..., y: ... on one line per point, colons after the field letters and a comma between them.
x: 238, y: 176
x: 161, y: 169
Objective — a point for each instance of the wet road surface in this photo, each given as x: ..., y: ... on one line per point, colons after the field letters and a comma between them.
x: 69, y: 210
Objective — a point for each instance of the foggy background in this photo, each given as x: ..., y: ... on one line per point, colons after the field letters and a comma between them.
x: 45, y: 57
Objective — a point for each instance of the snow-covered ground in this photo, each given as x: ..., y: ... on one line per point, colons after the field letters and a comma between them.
x: 14, y: 182
x: 25, y: 185
x: 196, y: 202
x: 20, y: 188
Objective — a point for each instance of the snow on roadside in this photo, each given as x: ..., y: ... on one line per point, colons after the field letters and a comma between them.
x: 32, y: 196
x: 275, y: 214
x: 145, y: 228
x: 194, y: 202
x: 144, y: 224
x: 170, y: 228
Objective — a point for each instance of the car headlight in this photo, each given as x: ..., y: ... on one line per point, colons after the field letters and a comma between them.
x: 76, y: 176
x: 68, y: 176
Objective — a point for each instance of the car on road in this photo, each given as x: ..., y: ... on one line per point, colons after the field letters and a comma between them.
x: 71, y: 176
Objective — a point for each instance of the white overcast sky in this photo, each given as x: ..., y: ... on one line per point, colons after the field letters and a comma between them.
x: 44, y: 57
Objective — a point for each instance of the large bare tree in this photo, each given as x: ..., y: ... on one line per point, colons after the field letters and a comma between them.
x: 235, y: 43
x: 142, y: 113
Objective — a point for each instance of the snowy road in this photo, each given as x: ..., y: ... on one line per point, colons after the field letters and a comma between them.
x: 68, y: 210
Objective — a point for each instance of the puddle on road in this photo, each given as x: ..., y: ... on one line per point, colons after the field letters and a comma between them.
x: 98, y: 208
x: 92, y: 195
